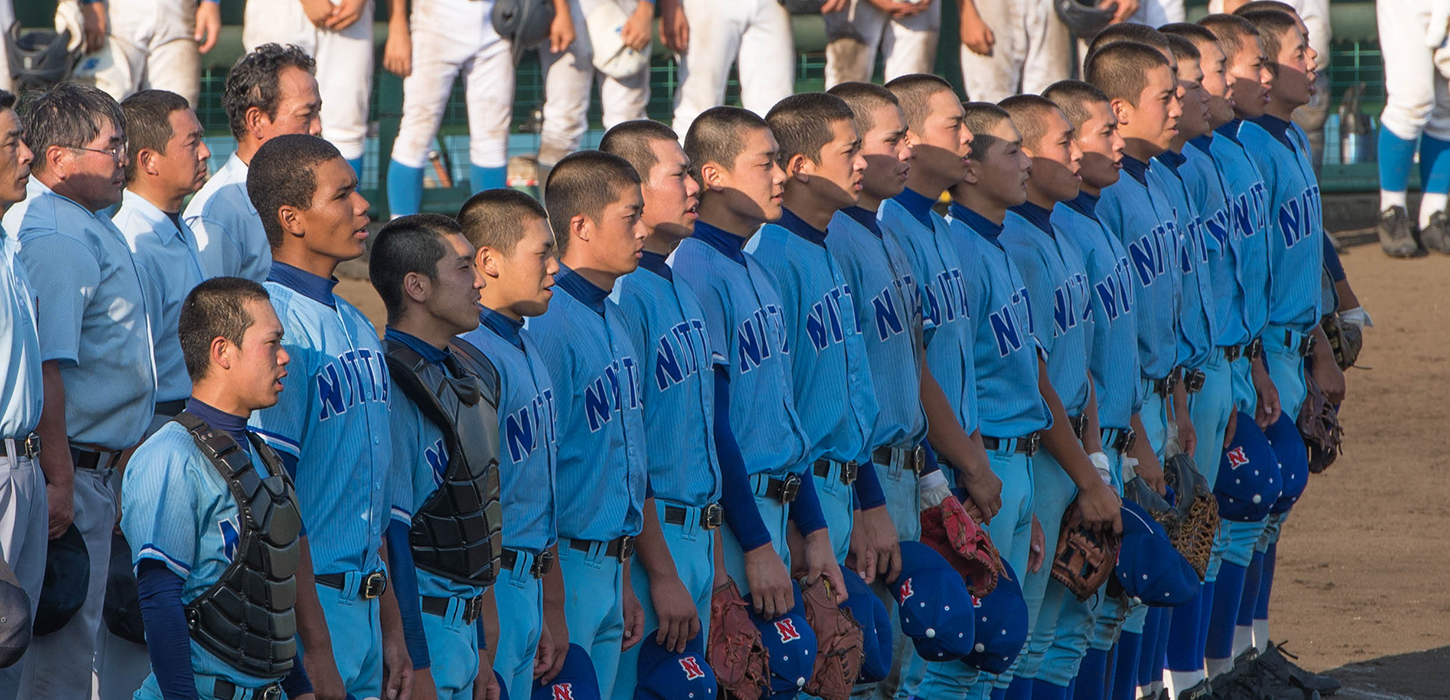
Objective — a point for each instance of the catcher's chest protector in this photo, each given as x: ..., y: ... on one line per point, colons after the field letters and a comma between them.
x: 457, y: 533
x: 246, y: 618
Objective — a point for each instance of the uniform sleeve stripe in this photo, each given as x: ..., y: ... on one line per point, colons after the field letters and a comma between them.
x: 402, y: 515
x: 151, y: 551
x: 277, y: 441
x: 718, y: 358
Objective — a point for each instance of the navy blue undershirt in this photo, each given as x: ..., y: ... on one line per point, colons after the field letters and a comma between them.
x: 916, y: 204
x: 1230, y: 130
x: 729, y: 244
x: 865, y: 217
x: 1037, y: 216
x: 1278, y: 128
x: 502, y: 326
x: 1203, y: 143
x: 314, y: 287
x: 582, y: 289
x: 793, y: 223
x: 1136, y: 168
x: 978, y: 223
x: 656, y: 263
x: 1085, y: 204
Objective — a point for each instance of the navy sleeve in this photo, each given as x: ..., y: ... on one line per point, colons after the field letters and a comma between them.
x: 297, y: 684
x: 1331, y: 260
x: 289, y: 464
x: 805, y: 510
x: 931, y: 464
x: 405, y: 588
x: 736, y: 496
x: 867, y: 488
x: 167, y: 641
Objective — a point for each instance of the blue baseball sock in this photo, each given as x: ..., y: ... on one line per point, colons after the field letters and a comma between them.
x: 481, y: 178
x: 356, y: 164
x: 1182, y: 650
x: 998, y: 694
x: 1205, y: 613
x: 1042, y: 690
x: 1227, y: 592
x: 1250, y: 599
x: 1395, y: 157
x: 1071, y: 688
x: 1092, y: 680
x: 1160, y: 646
x: 1434, y: 164
x: 405, y: 189
x: 1261, y: 607
x: 1125, y: 674
x: 1152, y: 627
x: 1019, y: 689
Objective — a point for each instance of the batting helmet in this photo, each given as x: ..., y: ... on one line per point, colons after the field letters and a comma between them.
x: 1084, y: 18
x: 523, y: 22
x: 67, y: 578
x: 39, y: 58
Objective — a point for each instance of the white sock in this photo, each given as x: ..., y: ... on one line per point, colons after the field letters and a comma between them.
x: 1178, y: 681
x: 1430, y: 203
x: 1261, y: 635
x: 1145, y: 692
x: 1218, y: 667
x: 1243, y: 639
x: 1391, y: 199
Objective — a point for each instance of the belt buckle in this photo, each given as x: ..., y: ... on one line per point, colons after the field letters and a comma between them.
x: 374, y: 584
x: 543, y: 564
x: 30, y: 447
x: 848, y: 472
x: 473, y: 609
x: 1033, y: 441
x: 1255, y: 349
x: 626, y: 547
x: 790, y: 486
x: 918, y: 459
x: 1193, y: 381
x: 1307, y: 348
x: 1232, y: 353
x: 1079, y: 425
x: 1129, y: 439
x: 271, y: 692
x: 712, y: 516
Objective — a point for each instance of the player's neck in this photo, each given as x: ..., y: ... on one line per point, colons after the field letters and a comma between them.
x: 1281, y: 109
x: 490, y: 299
x: 869, y: 202
x: 664, y: 239
x: 583, y: 266
x: 924, y: 185
x: 212, y: 391
x: 246, y: 148
x: 305, y: 260
x: 158, y: 195
x: 424, y: 326
x: 1036, y: 196
x: 1140, y: 149
x: 1093, y: 190
x: 980, y: 202
x: 714, y: 212
x: 811, y: 209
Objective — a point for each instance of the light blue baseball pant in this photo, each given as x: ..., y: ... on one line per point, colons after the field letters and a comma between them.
x: 453, y: 651
x: 520, y: 600
x: 357, y: 636
x: 777, y: 518
x: 205, y: 690
x: 1052, y: 491
x: 1154, y: 414
x: 903, y: 504
x: 1286, y: 368
x: 836, y: 505
x: 1210, y: 410
x: 594, y: 606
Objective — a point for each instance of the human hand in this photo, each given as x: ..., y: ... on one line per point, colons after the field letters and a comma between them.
x: 345, y: 13
x: 675, y: 607
x: 820, y: 560
x: 674, y: 28
x: 208, y: 25
x: 633, y: 620
x: 985, y: 490
x: 485, y: 686
x: 561, y: 32
x: 95, y: 25
x: 559, y: 637
x: 398, y: 51
x: 975, y: 33
x: 636, y: 31
x: 397, y: 667
x: 1124, y: 9
x: 322, y: 672
x: 1233, y: 426
x: 1036, y: 552
x: 771, y: 594
x: 1151, y: 472
x: 318, y: 11
x: 1330, y: 378
x: 1101, y: 510
x: 423, y: 687
x: 61, y: 502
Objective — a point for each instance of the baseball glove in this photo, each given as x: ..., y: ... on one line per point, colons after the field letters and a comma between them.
x: 1196, y: 509
x: 948, y: 529
x: 839, y: 641
x: 1345, y: 339
x: 1085, y: 558
x: 1319, y: 425
x: 734, y: 649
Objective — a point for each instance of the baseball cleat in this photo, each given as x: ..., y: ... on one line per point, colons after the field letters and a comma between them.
x: 1436, y: 236
x: 1275, y: 662
x: 1394, y: 232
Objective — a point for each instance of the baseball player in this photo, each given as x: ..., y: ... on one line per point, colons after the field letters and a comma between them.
x: 203, y: 491
x: 268, y: 92
x: 594, y: 204
x: 446, y: 39
x: 330, y: 427
x: 905, y: 33
x: 1012, y: 47
x: 96, y: 339
x: 149, y: 44
x: 516, y: 258
x: 23, y: 528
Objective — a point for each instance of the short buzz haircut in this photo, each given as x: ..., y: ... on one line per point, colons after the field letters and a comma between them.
x: 1126, y: 32
x: 1073, y: 98
x: 284, y: 173
x: 149, y: 114
x: 68, y: 115
x: 1269, y: 5
x: 7, y: 100
x: 980, y: 118
x: 216, y: 308
x: 584, y: 182
x: 634, y: 141
x: 253, y: 82
x: 914, y: 91
x: 718, y: 136
x: 1233, y: 32
x: 1182, y: 48
x: 1029, y: 113
x: 1121, y: 70
x: 496, y: 219
x: 1272, y: 25
x: 407, y: 244
x: 1195, y: 33
x: 802, y: 124
x: 864, y: 99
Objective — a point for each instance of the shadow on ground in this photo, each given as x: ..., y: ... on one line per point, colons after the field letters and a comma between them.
x: 1420, y: 675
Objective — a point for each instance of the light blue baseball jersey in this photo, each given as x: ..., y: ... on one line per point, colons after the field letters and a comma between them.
x: 948, y: 327
x: 22, y: 393
x: 888, y: 311
x: 1141, y: 219
x: 1296, y: 224
x: 585, y: 344
x: 745, y: 319
x: 1196, y: 331
x: 1005, y: 347
x: 167, y: 259
x: 331, y: 424
x: 1205, y: 188
x: 1056, y: 279
x: 1248, y: 199
x: 831, y: 377
x: 92, y: 315
x: 229, y: 233
x: 528, y: 447
x: 665, y: 322
x: 1113, y: 353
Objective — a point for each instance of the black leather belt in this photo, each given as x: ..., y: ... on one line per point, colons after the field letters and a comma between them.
x: 710, y: 516
x: 1193, y: 380
x: 543, y: 562
x: 1079, y: 424
x: 28, y: 446
x: 1306, y: 346
x: 438, y: 607
x: 1164, y: 387
x: 226, y: 690
x: 1255, y: 349
x: 372, y: 586
x: 1120, y: 439
x: 94, y: 459
x: 1027, y: 444
x: 913, y: 459
x: 783, y: 490
x: 621, y: 548
x: 848, y: 470
x: 1232, y: 352
x: 170, y: 408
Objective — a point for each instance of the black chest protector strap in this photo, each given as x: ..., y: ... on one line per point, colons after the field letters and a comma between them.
x: 457, y: 533
x: 246, y: 618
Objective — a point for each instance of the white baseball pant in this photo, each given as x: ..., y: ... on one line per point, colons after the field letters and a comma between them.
x: 24, y: 527
x: 1031, y: 50
x: 152, y: 46
x: 1156, y: 13
x: 344, y: 64
x: 7, y: 18
x: 754, y: 34
x: 1416, y: 94
x: 857, y: 33
x: 567, y: 80
x: 452, y: 37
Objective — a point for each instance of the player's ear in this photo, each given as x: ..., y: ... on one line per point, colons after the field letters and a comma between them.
x: 220, y: 352
x: 712, y: 177
x: 1122, y: 110
x: 799, y: 167
x: 291, y: 219
x: 252, y: 120
x: 972, y: 176
x: 581, y: 227
x: 485, y: 261
x: 417, y: 287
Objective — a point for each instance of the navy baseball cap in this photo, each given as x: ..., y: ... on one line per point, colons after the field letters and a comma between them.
x: 67, y: 580
x: 665, y: 675
x: 791, y: 644
x: 933, y: 604
x: 875, y: 622
x: 1293, y: 457
x: 1248, y: 475
x: 576, y: 681
x: 14, y: 617
x: 1001, y: 625
x: 1149, y: 568
x: 503, y: 688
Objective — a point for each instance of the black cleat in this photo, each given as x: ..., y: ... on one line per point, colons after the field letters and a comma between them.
x: 1436, y: 236
x: 1275, y: 662
x: 1201, y: 690
x: 1395, y: 236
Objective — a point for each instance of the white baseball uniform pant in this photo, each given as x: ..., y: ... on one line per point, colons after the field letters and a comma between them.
x: 1156, y: 13
x: 344, y: 64
x: 453, y: 37
x: 1416, y: 95
x: 857, y: 33
x: 24, y: 527
x: 152, y: 46
x: 7, y: 18
x: 756, y: 35
x: 568, y: 77
x: 1031, y: 50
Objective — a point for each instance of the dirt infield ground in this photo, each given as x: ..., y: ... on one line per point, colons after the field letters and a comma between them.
x: 1363, y: 583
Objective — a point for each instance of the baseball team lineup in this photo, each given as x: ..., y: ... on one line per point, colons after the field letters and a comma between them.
x: 867, y: 393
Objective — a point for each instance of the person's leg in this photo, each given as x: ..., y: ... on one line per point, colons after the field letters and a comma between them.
x: 345, y: 79
x: 1048, y: 47
x: 1244, y: 624
x: 133, y: 23
x: 568, y: 78
x: 520, y: 601
x: 910, y: 43
x: 175, y: 62
x: 453, y: 651
x: 705, y: 65
x: 1409, y: 99
x: 853, y: 36
x: 1053, y: 491
x: 836, y: 506
x: 489, y: 84
x: 1435, y: 171
x: 624, y: 100
x: 767, y: 58
x: 24, y: 525
x: 593, y: 607
x: 995, y: 77
x: 436, y: 60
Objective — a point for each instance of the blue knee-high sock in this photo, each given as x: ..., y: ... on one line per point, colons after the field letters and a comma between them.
x: 1071, y: 688
x: 998, y: 694
x: 1183, y: 654
x: 1266, y: 582
x: 481, y: 178
x: 1434, y: 164
x: 1042, y: 690
x: 1152, y: 627
x: 1395, y: 157
x: 1019, y: 689
x: 356, y: 164
x: 1205, y: 612
x: 1125, y: 674
x: 405, y: 189
x: 1227, y: 592
x: 1250, y: 598
x: 1092, y: 680
x: 1160, y: 650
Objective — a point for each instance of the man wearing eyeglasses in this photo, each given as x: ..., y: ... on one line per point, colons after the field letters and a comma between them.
x: 97, y: 369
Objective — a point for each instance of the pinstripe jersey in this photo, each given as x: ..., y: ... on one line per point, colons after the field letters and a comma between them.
x: 1006, y: 348
x: 229, y: 233
x: 331, y: 420
x: 22, y: 394
x: 1055, y: 276
x: 601, y: 464
x: 1205, y: 188
x: 91, y: 314
x: 746, y: 321
x: 1296, y: 225
x: 166, y: 257
x: 888, y: 310
x: 946, y: 321
x: 1249, y: 215
x: 1195, y: 301
x: 1140, y: 218
x: 1113, y: 354
x: 528, y: 449
x: 664, y: 319
x: 831, y: 377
